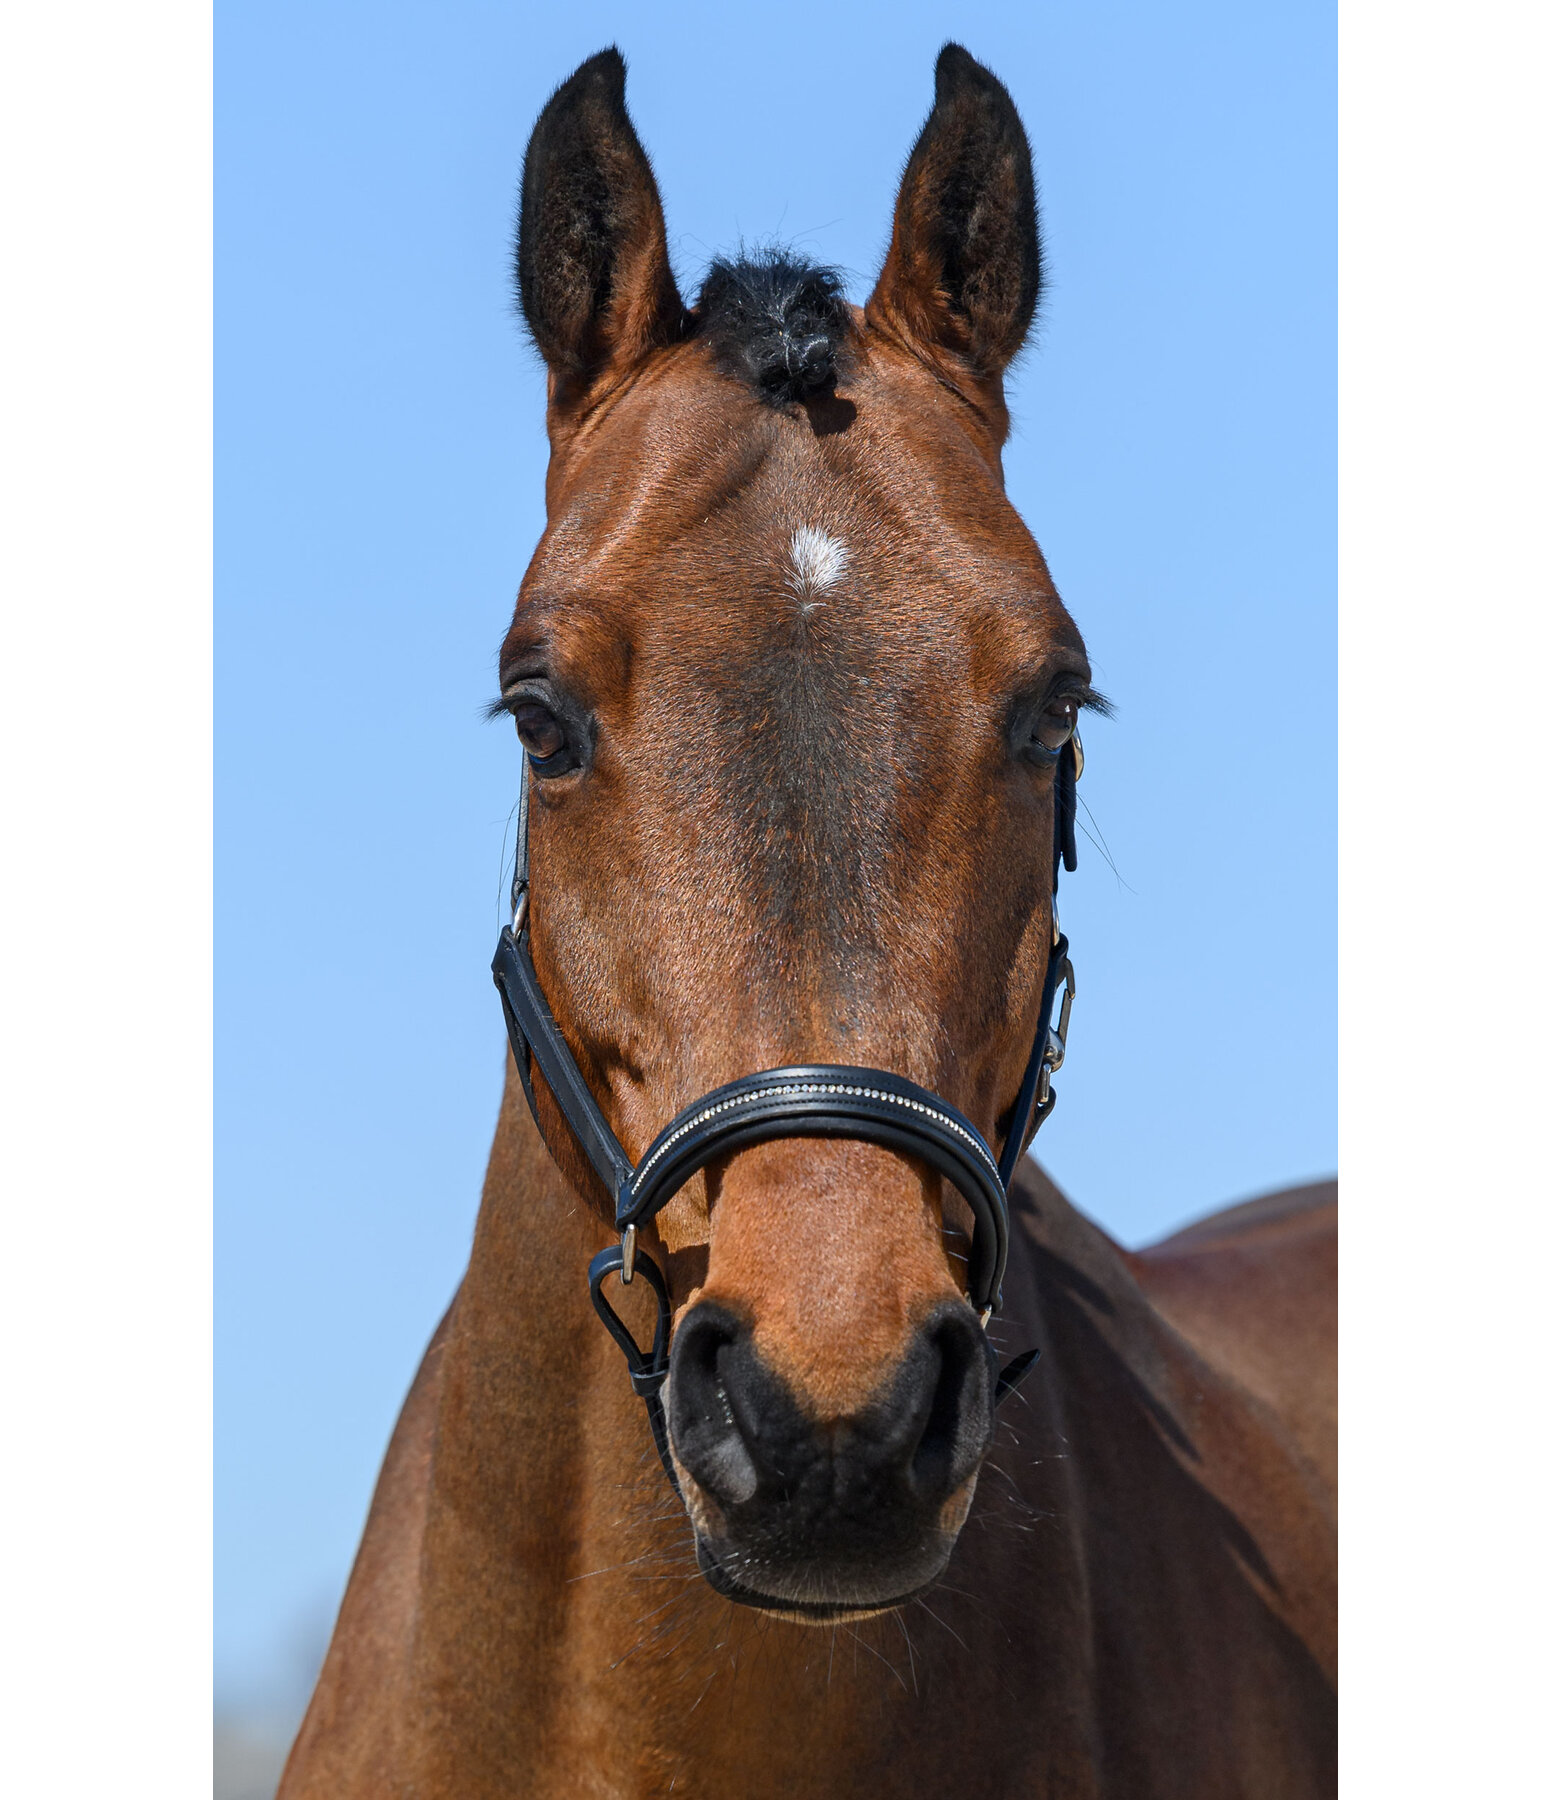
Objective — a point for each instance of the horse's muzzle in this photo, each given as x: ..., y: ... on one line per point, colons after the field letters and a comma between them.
x: 821, y: 1519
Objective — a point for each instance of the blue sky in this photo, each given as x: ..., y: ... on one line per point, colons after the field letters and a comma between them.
x: 380, y: 450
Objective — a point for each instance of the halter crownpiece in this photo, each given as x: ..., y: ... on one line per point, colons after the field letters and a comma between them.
x: 808, y: 1100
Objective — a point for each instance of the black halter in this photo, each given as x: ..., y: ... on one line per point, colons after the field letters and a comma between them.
x: 816, y: 1100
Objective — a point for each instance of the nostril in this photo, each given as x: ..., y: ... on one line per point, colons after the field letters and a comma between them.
x: 957, y: 1428
x: 706, y: 1436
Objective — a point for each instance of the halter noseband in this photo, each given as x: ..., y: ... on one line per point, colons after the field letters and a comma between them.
x: 806, y: 1100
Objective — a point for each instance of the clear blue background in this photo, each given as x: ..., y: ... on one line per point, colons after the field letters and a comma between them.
x: 380, y: 456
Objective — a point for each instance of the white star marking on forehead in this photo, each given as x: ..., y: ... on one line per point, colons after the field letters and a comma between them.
x: 816, y: 562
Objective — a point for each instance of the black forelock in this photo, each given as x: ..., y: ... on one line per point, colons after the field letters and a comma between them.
x: 775, y: 321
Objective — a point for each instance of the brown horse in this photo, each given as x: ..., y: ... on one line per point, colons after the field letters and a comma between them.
x: 793, y: 682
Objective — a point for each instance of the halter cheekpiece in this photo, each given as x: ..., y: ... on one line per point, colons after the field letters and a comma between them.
x: 806, y: 1100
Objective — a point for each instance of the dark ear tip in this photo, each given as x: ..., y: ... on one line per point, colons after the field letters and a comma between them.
x: 603, y: 73
x: 609, y: 60
x: 956, y: 70
x: 958, y: 73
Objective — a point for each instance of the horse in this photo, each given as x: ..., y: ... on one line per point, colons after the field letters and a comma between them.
x: 799, y: 708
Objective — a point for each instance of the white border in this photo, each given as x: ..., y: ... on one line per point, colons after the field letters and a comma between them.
x: 105, y: 903
x: 105, y: 924
x: 1444, y: 402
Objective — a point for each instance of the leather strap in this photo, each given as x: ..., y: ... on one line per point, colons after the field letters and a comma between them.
x: 648, y: 1368
x: 1036, y: 1098
x: 531, y: 1028
x: 1066, y: 772
x: 833, y: 1100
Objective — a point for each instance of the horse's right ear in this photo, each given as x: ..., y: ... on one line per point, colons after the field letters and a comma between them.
x: 593, y: 275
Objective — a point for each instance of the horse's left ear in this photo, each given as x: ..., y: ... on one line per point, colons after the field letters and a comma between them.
x: 961, y: 279
x: 593, y: 274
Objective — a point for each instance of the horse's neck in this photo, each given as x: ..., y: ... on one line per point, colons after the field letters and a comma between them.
x: 534, y: 1425
x: 562, y: 1624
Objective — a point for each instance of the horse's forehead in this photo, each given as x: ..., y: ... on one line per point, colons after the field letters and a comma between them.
x: 690, y: 488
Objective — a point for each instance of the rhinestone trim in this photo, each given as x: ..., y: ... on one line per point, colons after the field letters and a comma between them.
x: 902, y: 1101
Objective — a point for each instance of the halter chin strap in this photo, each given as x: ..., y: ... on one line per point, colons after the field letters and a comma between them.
x: 806, y: 1100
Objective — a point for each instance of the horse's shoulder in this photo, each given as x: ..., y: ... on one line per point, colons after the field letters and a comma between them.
x: 1253, y: 1289
x: 344, y: 1747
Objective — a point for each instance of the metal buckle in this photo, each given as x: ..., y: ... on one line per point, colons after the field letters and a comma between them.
x: 1055, y: 1049
x: 1077, y: 757
x: 519, y: 913
x: 627, y: 1254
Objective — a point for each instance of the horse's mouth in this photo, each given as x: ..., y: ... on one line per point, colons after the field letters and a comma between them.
x: 796, y: 1612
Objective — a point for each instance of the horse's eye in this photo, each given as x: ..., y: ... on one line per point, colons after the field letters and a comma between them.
x: 542, y: 734
x: 1054, y: 725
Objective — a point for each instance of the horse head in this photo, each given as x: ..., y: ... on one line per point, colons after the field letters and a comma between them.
x: 793, y: 683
